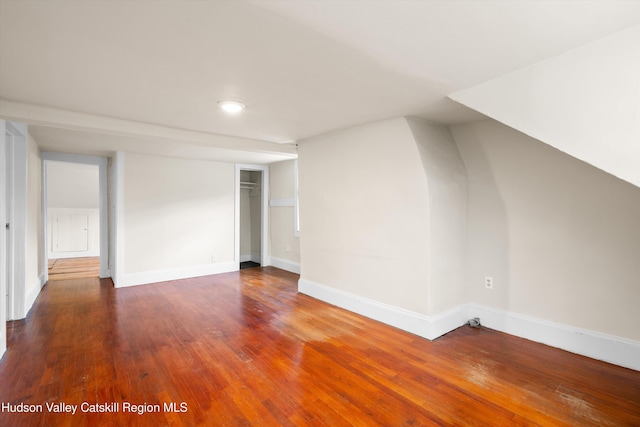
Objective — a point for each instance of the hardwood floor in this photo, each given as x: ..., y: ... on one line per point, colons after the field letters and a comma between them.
x: 74, y: 268
x: 244, y: 348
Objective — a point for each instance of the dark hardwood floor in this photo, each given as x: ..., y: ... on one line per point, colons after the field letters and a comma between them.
x: 244, y: 348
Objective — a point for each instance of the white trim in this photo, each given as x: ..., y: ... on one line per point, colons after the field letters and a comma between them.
x: 282, y: 203
x: 64, y: 255
x: 3, y: 242
x: 44, y: 246
x: 18, y: 221
x: 283, y: 264
x: 296, y: 200
x: 147, y: 277
x: 416, y: 323
x: 245, y: 258
x: 33, y: 295
x: 609, y: 348
x: 116, y: 233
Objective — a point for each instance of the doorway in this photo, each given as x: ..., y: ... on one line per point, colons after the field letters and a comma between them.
x: 75, y: 223
x: 250, y: 219
x: 252, y: 183
x: 73, y: 215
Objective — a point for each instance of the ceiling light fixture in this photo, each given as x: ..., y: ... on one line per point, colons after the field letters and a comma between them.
x: 232, y: 107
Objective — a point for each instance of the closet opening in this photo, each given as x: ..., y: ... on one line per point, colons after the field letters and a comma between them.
x: 252, y: 216
x: 250, y: 219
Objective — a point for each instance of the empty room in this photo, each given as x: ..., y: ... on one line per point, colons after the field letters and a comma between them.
x: 323, y: 213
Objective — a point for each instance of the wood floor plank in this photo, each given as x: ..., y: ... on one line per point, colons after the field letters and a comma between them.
x: 74, y: 268
x: 245, y: 348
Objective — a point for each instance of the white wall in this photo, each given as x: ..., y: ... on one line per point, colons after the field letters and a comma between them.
x: 363, y: 204
x: 34, y: 262
x: 447, y: 218
x: 72, y: 185
x: 285, y: 245
x: 560, y: 237
x: 178, y: 218
x: 578, y: 102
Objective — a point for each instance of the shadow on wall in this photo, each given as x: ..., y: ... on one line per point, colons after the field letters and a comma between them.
x: 487, y: 224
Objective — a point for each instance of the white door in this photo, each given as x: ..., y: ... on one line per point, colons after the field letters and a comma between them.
x: 70, y: 233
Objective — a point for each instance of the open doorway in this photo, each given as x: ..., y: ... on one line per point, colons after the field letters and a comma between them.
x: 65, y: 218
x: 250, y: 219
x: 73, y: 216
x: 252, y: 183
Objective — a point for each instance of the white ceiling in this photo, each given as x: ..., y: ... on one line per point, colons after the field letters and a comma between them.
x: 302, y: 67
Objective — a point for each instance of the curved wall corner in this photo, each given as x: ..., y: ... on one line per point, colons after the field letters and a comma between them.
x: 447, y: 194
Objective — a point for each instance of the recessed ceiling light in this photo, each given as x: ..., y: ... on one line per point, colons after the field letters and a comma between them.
x: 232, y: 106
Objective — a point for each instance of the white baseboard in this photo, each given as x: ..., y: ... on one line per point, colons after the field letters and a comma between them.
x: 284, y: 264
x: 245, y: 258
x: 597, y: 345
x: 33, y: 295
x: 256, y: 257
x: 82, y: 254
x: 144, y: 278
x: 419, y: 324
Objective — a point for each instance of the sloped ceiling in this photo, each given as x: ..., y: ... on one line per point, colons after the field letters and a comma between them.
x: 585, y: 102
x: 302, y: 67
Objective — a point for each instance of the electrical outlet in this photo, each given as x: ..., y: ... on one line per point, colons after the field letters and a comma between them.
x: 488, y: 282
x: 213, y: 259
x: 287, y: 248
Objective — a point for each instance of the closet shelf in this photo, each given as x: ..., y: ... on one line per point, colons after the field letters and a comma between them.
x: 246, y: 184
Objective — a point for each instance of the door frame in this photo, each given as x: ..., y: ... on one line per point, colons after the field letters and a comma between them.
x: 15, y: 151
x: 102, y: 163
x: 265, y: 259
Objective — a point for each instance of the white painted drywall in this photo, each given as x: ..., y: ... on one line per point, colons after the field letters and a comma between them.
x: 34, y: 263
x: 560, y: 237
x: 447, y: 218
x: 364, y: 209
x: 585, y: 102
x: 285, y: 245
x: 72, y: 185
x: 177, y: 213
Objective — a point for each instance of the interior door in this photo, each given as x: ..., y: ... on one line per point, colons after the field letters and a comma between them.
x: 70, y: 233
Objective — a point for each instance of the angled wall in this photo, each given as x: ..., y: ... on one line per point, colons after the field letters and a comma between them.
x: 559, y: 237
